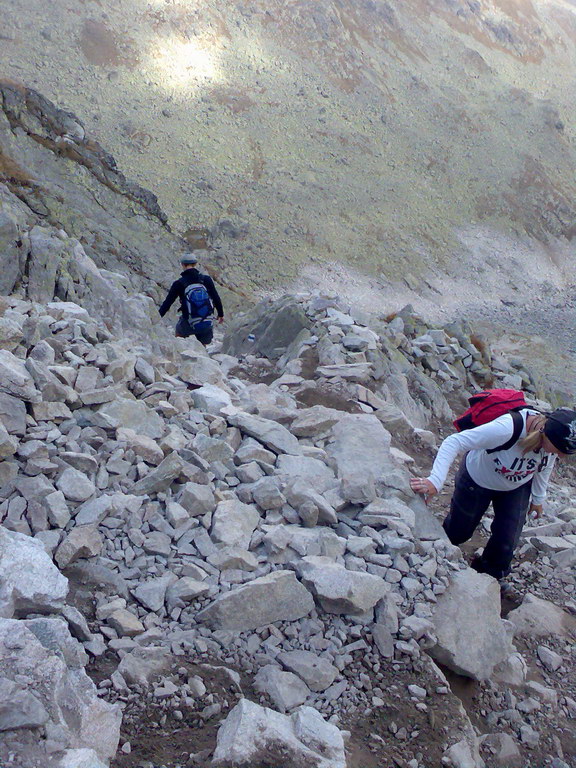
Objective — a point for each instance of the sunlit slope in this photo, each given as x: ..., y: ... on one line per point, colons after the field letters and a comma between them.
x: 356, y: 130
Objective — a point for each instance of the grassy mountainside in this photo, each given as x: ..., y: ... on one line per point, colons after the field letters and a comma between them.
x: 290, y: 132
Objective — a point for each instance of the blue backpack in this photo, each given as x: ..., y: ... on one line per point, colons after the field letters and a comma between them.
x: 199, y: 306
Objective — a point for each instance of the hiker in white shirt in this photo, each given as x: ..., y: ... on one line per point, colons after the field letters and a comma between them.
x: 514, y: 479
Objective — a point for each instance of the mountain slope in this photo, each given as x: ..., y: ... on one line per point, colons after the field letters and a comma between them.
x: 369, y: 133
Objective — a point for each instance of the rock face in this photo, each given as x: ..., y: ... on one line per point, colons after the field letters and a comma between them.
x: 252, y: 734
x: 277, y: 597
x: 30, y: 582
x: 472, y: 638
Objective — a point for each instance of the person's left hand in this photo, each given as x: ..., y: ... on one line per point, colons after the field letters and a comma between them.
x: 536, y: 508
x: 220, y: 320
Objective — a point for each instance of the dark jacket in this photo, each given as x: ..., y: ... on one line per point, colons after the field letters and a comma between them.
x: 177, y: 292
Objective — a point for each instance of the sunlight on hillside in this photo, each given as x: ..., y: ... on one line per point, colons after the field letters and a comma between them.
x: 185, y: 66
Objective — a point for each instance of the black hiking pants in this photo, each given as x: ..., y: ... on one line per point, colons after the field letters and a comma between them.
x: 184, y: 329
x: 469, y: 503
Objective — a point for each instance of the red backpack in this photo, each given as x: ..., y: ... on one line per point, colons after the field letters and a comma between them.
x: 488, y: 405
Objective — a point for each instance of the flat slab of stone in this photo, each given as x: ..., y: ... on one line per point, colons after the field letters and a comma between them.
x: 271, y: 434
x: 279, y: 596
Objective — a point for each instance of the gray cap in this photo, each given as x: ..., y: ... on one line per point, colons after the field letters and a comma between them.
x: 188, y: 258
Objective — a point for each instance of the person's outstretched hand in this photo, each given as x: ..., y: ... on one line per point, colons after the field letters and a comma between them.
x: 537, y: 509
x: 423, y: 486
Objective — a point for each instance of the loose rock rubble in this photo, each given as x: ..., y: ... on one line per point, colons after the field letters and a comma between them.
x: 240, y: 535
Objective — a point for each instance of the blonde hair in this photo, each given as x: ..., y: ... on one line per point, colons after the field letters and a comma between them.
x: 533, y: 440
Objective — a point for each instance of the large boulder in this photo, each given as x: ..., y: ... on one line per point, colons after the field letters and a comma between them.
x: 252, y: 735
x: 279, y: 596
x: 339, y: 590
x: 360, y: 447
x: 268, y: 329
x: 472, y: 639
x: 30, y: 582
x: 34, y: 662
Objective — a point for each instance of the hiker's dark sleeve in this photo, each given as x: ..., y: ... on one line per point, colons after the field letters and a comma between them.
x: 213, y: 293
x: 170, y: 299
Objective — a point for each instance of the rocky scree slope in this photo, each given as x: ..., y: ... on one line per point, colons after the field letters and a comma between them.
x: 383, y: 136
x: 231, y: 542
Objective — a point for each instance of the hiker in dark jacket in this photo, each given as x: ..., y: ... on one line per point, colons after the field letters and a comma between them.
x: 198, y: 299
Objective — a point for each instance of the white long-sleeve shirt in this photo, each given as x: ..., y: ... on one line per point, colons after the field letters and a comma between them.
x: 499, y: 471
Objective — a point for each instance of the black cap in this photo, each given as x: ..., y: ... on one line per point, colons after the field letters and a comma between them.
x: 560, y: 429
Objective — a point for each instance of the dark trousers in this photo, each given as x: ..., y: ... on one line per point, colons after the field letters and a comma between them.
x: 469, y: 503
x: 184, y: 329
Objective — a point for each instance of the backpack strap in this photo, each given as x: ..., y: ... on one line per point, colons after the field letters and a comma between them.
x: 516, y: 432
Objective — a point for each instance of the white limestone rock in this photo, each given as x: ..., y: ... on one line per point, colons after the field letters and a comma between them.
x: 472, y: 639
x: 211, y: 399
x: 82, y: 541
x: 337, y: 589
x: 361, y: 448
x: 30, y: 581
x: 132, y: 414
x: 317, y: 672
x: 41, y: 661
x: 271, y: 434
x: 233, y: 523
x: 252, y: 734
x: 75, y: 485
x: 279, y: 596
x: 285, y: 690
x: 538, y: 618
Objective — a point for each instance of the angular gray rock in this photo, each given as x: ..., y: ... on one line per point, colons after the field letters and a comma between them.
x: 472, y: 639
x: 317, y: 672
x: 253, y: 735
x: 82, y: 541
x: 151, y: 593
x: 538, y: 618
x: 337, y: 589
x: 285, y: 690
x: 133, y: 414
x: 142, y: 665
x: 75, y: 485
x: 30, y: 581
x: 279, y: 596
x: 271, y: 434
x: 161, y: 477
x: 233, y: 523
x: 361, y: 448
x: 15, y: 379
x: 39, y: 660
